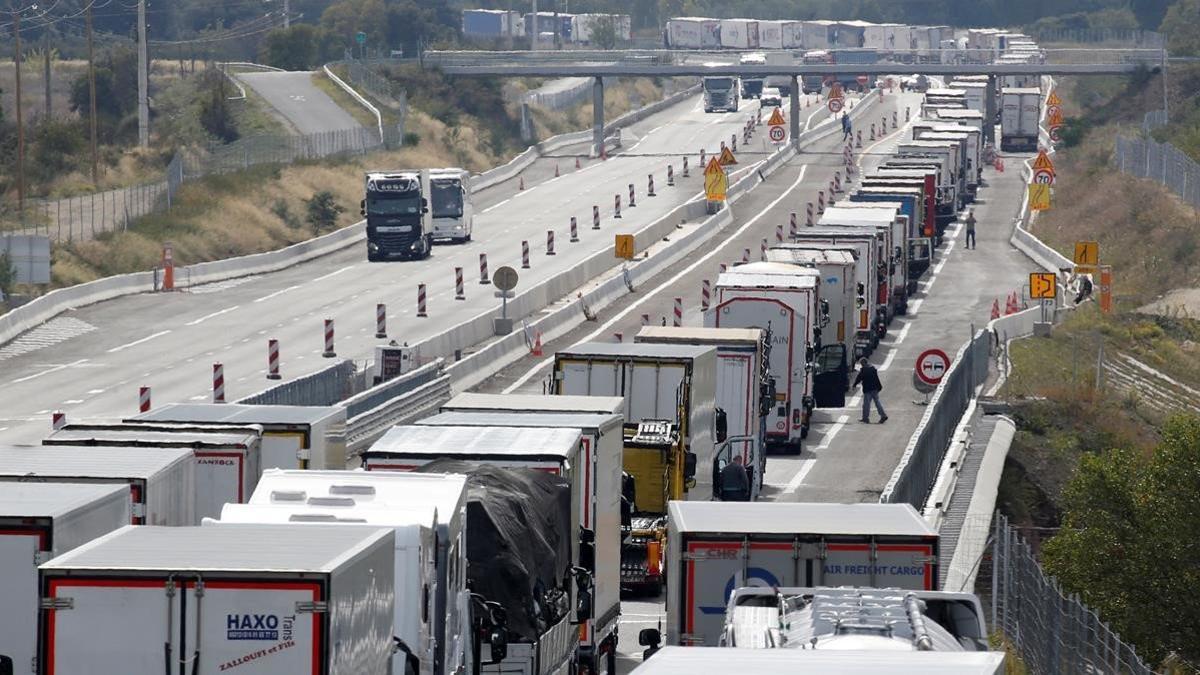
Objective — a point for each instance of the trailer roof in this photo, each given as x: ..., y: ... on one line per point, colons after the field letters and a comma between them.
x: 965, y: 113
x: 405, y: 520
x: 1021, y: 90
x: 51, y: 500
x: 635, y: 349
x: 536, y: 403
x: 850, y: 233
x: 233, y: 548
x: 507, y: 418
x: 698, y: 335
x: 149, y: 437
x: 445, y: 492
x: 73, y: 461
x: 238, y: 413
x: 454, y: 442
x: 799, y: 518
x: 945, y: 91
x: 708, y: 660
x: 942, y: 128
x: 812, y: 256
x: 784, y: 276
x: 838, y: 216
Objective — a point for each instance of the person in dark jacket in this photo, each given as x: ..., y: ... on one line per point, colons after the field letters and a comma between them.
x: 868, y: 377
x: 735, y: 482
x: 846, y: 126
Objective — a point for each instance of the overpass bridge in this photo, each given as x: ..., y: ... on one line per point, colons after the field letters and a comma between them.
x: 684, y: 63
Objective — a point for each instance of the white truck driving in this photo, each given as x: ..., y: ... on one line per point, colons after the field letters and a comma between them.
x: 451, y: 208
x: 264, y: 599
x: 720, y: 93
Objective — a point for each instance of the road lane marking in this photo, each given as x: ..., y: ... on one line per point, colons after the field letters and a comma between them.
x: 210, y: 316
x: 334, y: 273
x: 276, y: 293
x: 148, y: 338
x: 55, y: 369
x: 496, y: 205
x: 520, y: 382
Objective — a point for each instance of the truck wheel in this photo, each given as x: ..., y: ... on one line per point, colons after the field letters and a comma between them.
x: 371, y: 257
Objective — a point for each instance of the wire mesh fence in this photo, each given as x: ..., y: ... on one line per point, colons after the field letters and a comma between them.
x: 1052, y: 630
x: 1136, y: 37
x: 1145, y: 157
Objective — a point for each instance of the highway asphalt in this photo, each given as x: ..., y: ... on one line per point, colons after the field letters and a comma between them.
x: 91, y: 362
x: 293, y: 94
x: 843, y: 460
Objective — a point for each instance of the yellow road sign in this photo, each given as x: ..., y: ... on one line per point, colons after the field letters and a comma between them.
x: 625, y: 246
x: 1054, y: 117
x: 713, y: 167
x: 1054, y: 99
x: 1043, y: 162
x: 727, y: 158
x: 1087, y: 253
x: 715, y: 185
x: 1039, y: 196
x: 776, y: 119
x: 1043, y: 285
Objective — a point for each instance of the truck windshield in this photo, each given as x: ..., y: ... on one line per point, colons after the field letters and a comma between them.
x: 393, y: 205
x: 447, y: 199
x: 717, y: 83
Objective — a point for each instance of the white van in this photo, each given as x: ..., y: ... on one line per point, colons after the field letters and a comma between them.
x: 450, y: 204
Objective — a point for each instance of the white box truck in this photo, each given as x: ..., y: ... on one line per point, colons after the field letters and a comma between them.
x: 415, y: 564
x: 836, y: 265
x: 1020, y: 113
x: 294, y: 436
x: 548, y: 403
x: 451, y: 209
x: 161, y: 482
x: 713, y: 549
x: 682, y: 33
x: 784, y: 301
x: 971, y: 140
x: 227, y: 458
x: 739, y: 33
x: 892, y: 226
x: 770, y: 34
x: 444, y: 496
x: 599, y: 468
x: 744, y: 388
x: 946, y: 155
x: 261, y: 599
x: 868, y: 324
x: 792, y: 34
x: 725, y: 660
x: 39, y: 521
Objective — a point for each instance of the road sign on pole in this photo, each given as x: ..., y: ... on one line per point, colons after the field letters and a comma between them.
x: 1043, y: 285
x: 932, y: 366
x: 727, y: 158
x: 1043, y: 176
x: 1055, y: 134
x: 1043, y: 162
x: 777, y: 134
x: 1087, y: 253
x: 835, y: 105
x: 625, y: 246
x: 1106, y: 289
x: 1039, y: 197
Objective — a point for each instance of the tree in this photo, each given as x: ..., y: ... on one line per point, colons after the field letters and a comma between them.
x: 1130, y: 543
x: 295, y: 48
x: 604, y: 32
x: 323, y: 211
x: 1179, y: 24
x: 215, y: 115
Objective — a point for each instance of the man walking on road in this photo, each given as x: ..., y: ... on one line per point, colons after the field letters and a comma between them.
x: 845, y: 126
x: 970, y: 221
x: 868, y: 377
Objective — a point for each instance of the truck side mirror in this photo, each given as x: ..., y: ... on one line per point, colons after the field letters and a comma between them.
x: 722, y: 425
x: 498, y: 636
x: 362, y: 207
x: 424, y: 205
x: 650, y: 638
x: 583, y: 594
x: 587, y: 554
x: 6, y: 665
x: 689, y: 466
x: 808, y: 354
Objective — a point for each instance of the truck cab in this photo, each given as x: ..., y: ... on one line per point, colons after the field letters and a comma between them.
x: 752, y: 85
x: 453, y: 213
x: 397, y: 211
x: 721, y: 93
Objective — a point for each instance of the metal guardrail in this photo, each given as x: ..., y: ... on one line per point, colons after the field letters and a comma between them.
x: 398, y: 401
x: 327, y: 386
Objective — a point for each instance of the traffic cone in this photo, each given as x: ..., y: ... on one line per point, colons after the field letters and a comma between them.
x: 995, y: 309
x: 1011, y: 305
x: 577, y: 163
x: 537, y: 344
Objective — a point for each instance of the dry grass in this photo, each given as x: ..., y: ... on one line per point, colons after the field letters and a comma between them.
x: 346, y: 101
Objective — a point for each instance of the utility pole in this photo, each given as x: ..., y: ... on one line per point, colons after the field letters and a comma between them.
x: 92, y: 96
x: 143, y: 79
x: 287, y: 15
x: 533, y: 32
x: 46, y: 66
x: 16, y: 17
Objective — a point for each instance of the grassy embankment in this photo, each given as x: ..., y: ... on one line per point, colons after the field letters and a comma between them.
x: 263, y: 208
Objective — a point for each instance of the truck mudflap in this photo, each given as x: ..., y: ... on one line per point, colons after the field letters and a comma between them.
x: 552, y: 654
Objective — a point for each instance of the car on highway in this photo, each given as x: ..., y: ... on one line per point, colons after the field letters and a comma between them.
x: 771, y: 96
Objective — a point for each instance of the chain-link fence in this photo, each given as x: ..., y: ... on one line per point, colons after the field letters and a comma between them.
x: 1135, y: 37
x: 1145, y: 157
x: 365, y: 75
x: 1051, y: 629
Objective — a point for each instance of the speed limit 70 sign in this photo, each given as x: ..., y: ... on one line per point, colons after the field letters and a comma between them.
x: 777, y: 133
x: 1043, y: 176
x: 932, y: 366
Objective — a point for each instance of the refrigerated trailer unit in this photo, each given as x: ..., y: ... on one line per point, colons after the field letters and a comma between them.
x: 39, y: 521
x: 865, y: 241
x: 294, y: 436
x: 783, y: 300
x: 261, y: 599
x: 227, y: 458
x: 891, y: 224
x: 725, y: 660
x: 970, y: 140
x: 910, y: 200
x: 415, y: 563
x: 715, y: 548
x: 533, y: 403
x: 599, y: 470
x: 743, y: 388
x: 1020, y: 113
x: 442, y: 495
x: 161, y: 482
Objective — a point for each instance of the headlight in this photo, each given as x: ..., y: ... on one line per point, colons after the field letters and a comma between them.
x: 372, y: 247
x: 415, y: 245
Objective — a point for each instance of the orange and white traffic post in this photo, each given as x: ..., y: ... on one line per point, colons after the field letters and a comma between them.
x: 273, y: 359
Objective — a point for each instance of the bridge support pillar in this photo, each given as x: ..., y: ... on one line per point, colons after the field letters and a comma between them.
x: 597, y: 116
x: 794, y: 118
x: 989, y: 116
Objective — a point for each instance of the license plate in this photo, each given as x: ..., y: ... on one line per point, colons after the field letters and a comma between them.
x: 394, y: 228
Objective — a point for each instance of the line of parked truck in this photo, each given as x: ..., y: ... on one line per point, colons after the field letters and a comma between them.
x: 563, y: 27
x: 499, y: 535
